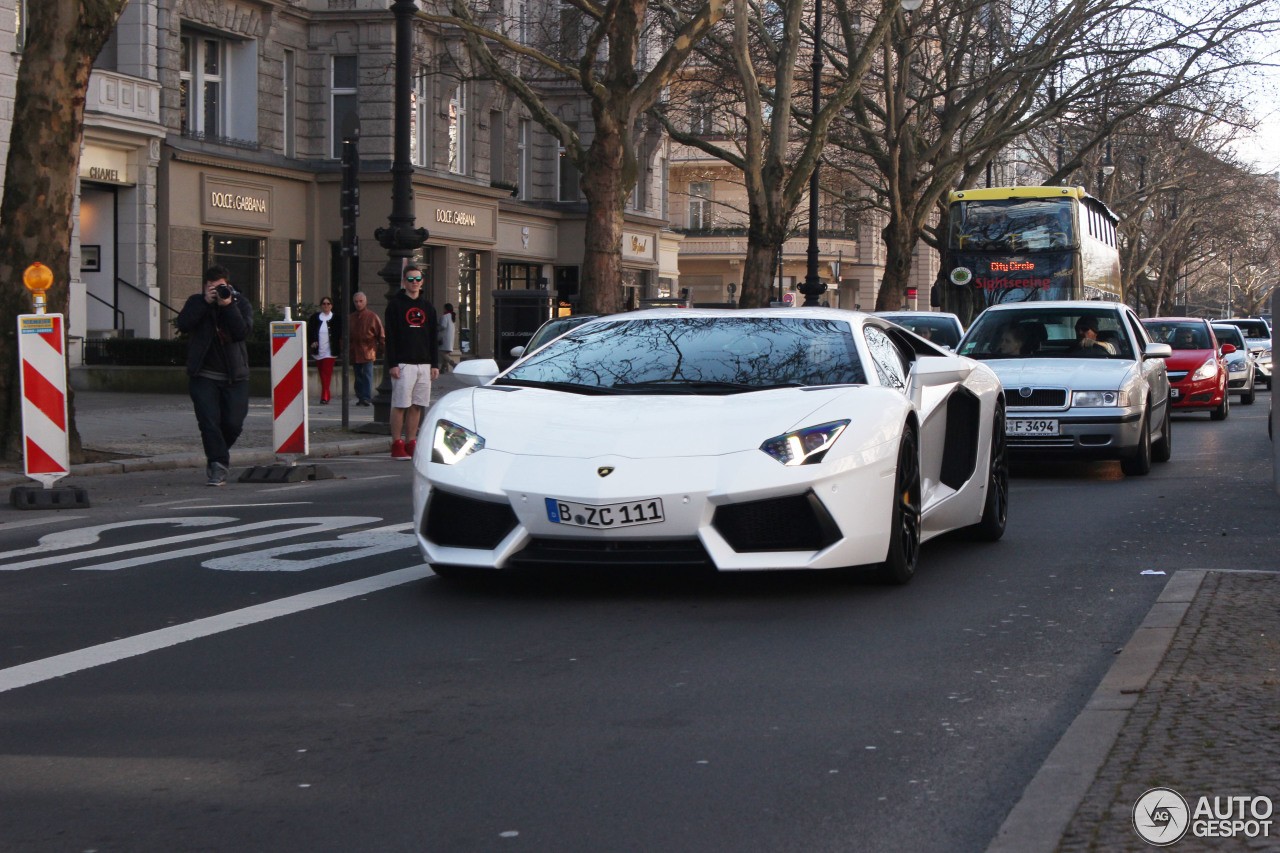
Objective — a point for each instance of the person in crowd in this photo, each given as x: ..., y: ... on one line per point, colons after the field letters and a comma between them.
x: 1012, y: 341
x: 324, y: 335
x: 218, y: 320
x: 412, y: 359
x: 367, y: 340
x: 448, y: 330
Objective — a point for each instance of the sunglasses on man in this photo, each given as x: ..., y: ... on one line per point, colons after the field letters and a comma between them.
x: 413, y: 278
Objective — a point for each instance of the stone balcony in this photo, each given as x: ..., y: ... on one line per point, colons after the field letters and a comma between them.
x: 114, y: 96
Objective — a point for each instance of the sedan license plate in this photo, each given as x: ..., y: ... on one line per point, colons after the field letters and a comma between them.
x: 605, y: 516
x: 1030, y: 426
x: 1175, y: 393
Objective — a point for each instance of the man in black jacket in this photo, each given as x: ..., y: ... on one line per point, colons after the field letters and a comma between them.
x: 413, y: 359
x: 218, y: 320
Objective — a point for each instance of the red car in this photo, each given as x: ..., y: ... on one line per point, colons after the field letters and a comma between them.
x: 1197, y: 369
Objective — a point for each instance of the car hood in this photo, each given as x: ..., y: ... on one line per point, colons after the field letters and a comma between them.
x: 1094, y: 374
x: 1188, y: 359
x: 542, y: 422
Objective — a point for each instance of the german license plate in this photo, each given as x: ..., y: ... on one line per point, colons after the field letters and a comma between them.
x: 605, y: 516
x: 1030, y: 426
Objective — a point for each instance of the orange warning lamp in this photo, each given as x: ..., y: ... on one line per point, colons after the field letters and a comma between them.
x: 38, y: 278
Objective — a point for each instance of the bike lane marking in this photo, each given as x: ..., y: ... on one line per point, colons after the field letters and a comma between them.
x: 309, y: 526
x: 349, y: 546
x: 65, y: 539
x: 58, y: 666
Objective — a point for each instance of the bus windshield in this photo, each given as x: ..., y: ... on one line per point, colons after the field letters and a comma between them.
x: 1012, y: 225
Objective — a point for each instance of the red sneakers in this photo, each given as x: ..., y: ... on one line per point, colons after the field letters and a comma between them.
x: 399, y: 451
x: 410, y: 447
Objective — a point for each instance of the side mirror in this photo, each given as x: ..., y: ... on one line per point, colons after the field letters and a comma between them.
x: 516, y: 352
x: 1157, y: 351
x: 1227, y: 349
x: 931, y: 370
x: 477, y: 371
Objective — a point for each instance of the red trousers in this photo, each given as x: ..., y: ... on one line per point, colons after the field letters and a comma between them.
x: 325, y: 366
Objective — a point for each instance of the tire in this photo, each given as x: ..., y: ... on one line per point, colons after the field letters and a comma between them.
x: 1138, y: 464
x: 1220, y: 413
x: 995, y: 512
x: 899, y: 566
x: 1163, y: 449
x: 1247, y: 398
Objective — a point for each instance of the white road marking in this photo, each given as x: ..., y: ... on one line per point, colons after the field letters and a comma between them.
x: 88, y: 535
x: 250, y: 506
x: 32, y: 522
x: 349, y: 546
x: 71, y: 662
x: 309, y: 525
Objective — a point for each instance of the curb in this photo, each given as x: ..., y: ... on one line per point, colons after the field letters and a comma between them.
x: 349, y: 447
x: 1036, y: 824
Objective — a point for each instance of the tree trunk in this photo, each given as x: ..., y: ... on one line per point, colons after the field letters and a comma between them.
x: 759, y: 274
x: 600, y: 290
x: 64, y: 37
x: 899, y: 241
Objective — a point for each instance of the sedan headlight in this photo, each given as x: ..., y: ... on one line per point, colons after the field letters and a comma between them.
x: 1094, y: 399
x: 1208, y: 370
x: 804, y: 446
x: 452, y: 443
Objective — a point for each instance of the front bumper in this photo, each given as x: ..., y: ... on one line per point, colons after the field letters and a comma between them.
x: 1197, y: 395
x: 741, y: 511
x: 1094, y: 434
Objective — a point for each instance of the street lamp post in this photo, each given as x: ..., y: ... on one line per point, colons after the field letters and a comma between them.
x: 813, y: 285
x: 400, y: 238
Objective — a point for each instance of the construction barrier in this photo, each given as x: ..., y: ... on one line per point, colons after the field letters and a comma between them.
x: 41, y: 350
x: 289, y: 431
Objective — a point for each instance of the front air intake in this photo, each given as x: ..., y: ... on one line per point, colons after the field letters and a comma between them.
x: 454, y: 521
x: 795, y: 523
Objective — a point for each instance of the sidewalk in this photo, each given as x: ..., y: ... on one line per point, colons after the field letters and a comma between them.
x: 142, y: 432
x: 1190, y: 704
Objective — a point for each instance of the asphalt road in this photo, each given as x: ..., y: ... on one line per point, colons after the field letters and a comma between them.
x: 264, y: 668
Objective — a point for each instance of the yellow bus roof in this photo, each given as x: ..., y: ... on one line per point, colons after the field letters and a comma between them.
x: 1016, y: 192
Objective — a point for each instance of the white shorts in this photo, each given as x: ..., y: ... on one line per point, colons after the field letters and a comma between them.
x: 413, y: 388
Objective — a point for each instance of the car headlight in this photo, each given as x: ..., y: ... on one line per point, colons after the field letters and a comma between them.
x: 804, y: 446
x: 452, y: 443
x: 1208, y: 370
x: 1093, y: 399
x: 1265, y: 353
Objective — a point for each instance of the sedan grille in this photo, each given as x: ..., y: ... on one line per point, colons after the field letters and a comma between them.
x: 1036, y: 398
x: 796, y: 523
x: 454, y: 521
x: 1177, y: 375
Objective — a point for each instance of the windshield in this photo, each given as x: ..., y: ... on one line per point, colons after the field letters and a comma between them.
x: 1011, y: 225
x: 1229, y: 335
x: 717, y: 355
x: 1252, y: 328
x: 1185, y: 335
x: 553, y: 329
x: 943, y: 331
x: 1047, y: 333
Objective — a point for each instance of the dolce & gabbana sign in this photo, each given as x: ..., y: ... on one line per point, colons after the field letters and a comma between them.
x: 458, y: 218
x: 226, y: 201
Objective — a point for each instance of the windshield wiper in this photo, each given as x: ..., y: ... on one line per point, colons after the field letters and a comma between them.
x: 570, y: 387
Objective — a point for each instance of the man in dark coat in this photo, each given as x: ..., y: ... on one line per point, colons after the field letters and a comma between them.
x: 218, y: 321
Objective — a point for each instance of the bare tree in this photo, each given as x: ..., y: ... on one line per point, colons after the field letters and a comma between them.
x: 956, y: 85
x: 63, y: 39
x: 756, y: 68
x: 598, y: 49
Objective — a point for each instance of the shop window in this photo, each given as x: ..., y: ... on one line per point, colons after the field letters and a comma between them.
x: 245, y: 259
x: 343, y: 80
x: 513, y: 276
x: 458, y: 130
x: 295, y: 272
x: 468, y: 299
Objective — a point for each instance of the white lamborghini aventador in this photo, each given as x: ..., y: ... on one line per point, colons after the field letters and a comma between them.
x: 790, y: 438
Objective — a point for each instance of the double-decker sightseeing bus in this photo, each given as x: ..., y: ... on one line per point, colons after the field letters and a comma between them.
x: 1023, y: 244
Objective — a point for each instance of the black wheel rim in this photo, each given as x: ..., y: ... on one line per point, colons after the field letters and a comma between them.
x: 909, y: 502
x: 999, y: 467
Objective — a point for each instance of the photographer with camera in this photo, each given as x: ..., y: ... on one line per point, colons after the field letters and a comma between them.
x: 218, y: 321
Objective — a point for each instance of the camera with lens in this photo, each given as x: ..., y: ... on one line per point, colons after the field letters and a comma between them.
x: 224, y: 291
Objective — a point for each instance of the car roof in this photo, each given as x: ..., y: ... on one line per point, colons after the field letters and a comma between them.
x: 1076, y: 304
x: 1175, y: 320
